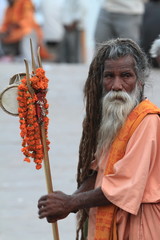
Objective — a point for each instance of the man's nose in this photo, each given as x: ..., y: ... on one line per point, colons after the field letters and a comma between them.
x: 117, y: 84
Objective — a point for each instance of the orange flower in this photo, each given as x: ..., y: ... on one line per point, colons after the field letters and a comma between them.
x: 38, y: 166
x: 27, y: 159
x: 31, y: 115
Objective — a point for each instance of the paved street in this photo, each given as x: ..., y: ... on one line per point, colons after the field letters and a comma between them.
x: 21, y: 184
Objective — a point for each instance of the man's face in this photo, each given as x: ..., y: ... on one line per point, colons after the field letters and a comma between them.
x: 119, y: 75
x: 122, y: 93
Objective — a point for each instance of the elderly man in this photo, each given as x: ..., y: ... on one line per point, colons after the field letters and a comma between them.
x: 118, y: 171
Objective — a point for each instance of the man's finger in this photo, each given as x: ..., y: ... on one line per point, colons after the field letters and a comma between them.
x: 51, y: 219
x: 41, y: 204
x: 43, y: 198
x: 42, y: 210
x: 42, y: 213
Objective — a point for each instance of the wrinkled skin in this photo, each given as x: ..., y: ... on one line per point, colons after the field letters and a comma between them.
x: 58, y: 205
x: 54, y: 206
x: 119, y: 75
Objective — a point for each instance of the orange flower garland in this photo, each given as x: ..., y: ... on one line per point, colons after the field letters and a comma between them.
x: 33, y: 112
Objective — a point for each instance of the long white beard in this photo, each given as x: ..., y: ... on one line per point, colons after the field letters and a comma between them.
x: 116, y: 105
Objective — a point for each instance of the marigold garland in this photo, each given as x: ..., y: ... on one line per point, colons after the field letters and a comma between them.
x: 33, y: 110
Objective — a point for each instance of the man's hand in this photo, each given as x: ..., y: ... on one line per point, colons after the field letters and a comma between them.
x: 54, y: 206
x: 58, y: 205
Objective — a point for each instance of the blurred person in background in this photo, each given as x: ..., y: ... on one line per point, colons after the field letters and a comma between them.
x: 18, y: 27
x: 2, y: 9
x: 39, y: 18
x: 150, y: 27
x: 119, y: 18
x: 74, y: 43
x: 52, y: 27
x: 155, y: 52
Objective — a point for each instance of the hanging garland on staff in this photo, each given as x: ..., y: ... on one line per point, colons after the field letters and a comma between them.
x: 33, y: 111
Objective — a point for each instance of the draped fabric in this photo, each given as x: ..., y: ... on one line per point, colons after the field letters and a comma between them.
x: 105, y: 215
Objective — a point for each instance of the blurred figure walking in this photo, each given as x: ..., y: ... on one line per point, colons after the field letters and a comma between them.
x: 155, y: 53
x: 52, y: 27
x: 73, y: 43
x: 119, y: 18
x: 150, y: 28
x: 18, y: 27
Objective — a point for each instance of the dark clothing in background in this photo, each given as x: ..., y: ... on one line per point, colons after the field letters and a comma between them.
x: 150, y: 27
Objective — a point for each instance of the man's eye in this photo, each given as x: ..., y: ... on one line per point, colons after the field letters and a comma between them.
x: 126, y: 75
x: 108, y: 75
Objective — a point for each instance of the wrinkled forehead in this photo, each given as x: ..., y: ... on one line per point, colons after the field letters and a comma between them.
x: 125, y: 62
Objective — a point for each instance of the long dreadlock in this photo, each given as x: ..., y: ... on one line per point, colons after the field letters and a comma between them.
x: 93, y: 91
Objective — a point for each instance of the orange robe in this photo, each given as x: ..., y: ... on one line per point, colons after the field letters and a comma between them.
x: 134, y: 187
x: 21, y: 13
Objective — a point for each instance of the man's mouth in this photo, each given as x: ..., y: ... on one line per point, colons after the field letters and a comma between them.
x: 118, y: 98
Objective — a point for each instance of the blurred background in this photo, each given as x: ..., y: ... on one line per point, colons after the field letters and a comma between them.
x: 68, y: 33
x: 53, y: 15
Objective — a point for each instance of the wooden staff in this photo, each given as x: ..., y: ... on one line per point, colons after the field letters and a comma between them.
x: 43, y: 138
x: 48, y: 176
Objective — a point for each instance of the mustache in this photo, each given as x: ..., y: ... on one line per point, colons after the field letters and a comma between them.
x: 117, y: 95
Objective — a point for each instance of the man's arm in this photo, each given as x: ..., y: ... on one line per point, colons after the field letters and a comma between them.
x: 58, y: 205
x: 88, y: 184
